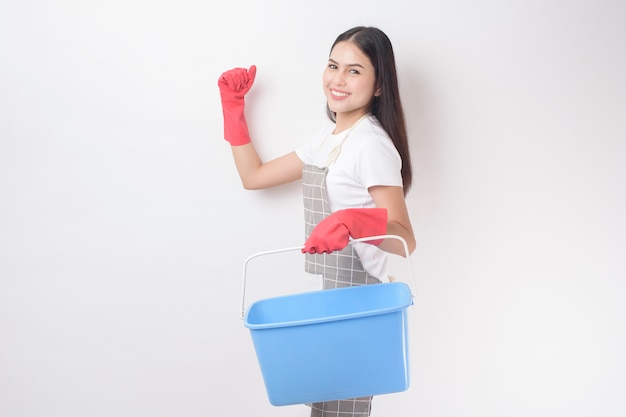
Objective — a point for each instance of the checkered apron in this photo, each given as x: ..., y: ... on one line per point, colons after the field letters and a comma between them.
x: 339, y: 269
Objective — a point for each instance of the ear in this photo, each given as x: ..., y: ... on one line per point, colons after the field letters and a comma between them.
x: 378, y: 92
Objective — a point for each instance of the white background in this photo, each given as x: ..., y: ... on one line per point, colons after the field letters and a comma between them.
x: 123, y: 224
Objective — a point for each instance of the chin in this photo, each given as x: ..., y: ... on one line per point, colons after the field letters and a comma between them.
x: 335, y: 108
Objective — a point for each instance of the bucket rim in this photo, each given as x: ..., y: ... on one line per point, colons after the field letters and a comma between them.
x: 319, y: 320
x: 403, y: 304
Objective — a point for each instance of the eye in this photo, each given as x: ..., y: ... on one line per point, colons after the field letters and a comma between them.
x: 332, y: 66
x: 354, y: 71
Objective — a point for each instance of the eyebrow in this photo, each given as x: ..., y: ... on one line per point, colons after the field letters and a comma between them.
x: 349, y: 65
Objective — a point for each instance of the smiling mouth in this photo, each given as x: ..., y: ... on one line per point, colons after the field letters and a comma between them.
x: 336, y: 93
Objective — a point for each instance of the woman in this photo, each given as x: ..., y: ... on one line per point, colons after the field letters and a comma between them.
x: 355, y: 174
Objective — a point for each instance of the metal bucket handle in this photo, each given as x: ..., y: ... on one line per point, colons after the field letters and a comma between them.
x: 299, y: 248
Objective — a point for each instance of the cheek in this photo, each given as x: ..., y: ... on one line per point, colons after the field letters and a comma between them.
x: 366, y: 88
x: 326, y: 79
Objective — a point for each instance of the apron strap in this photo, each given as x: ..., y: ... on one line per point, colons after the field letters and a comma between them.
x: 334, y: 153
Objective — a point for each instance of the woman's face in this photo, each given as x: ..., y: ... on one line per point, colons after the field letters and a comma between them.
x: 349, y: 82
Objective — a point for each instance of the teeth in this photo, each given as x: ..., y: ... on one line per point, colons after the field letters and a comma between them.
x: 338, y: 93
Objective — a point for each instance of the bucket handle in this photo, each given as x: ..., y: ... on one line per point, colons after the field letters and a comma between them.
x: 295, y: 248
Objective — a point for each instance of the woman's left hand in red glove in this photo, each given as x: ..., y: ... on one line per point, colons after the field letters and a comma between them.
x: 334, y: 232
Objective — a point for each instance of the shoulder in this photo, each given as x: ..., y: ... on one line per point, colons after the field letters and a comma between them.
x: 373, y: 140
x: 370, y: 126
x: 375, y: 158
x: 310, y: 150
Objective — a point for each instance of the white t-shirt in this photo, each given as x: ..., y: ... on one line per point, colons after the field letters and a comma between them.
x: 367, y: 158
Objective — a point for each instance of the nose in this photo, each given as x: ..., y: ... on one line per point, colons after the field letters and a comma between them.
x: 339, y: 78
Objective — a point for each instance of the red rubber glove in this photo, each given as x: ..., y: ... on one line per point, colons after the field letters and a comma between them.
x: 233, y: 85
x: 334, y: 232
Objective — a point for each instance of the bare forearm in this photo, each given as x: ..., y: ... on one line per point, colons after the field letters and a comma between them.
x: 248, y: 163
x: 395, y: 246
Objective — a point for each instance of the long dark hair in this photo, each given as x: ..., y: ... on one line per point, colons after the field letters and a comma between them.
x: 387, y: 107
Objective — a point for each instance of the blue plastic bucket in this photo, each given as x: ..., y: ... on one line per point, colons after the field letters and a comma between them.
x: 332, y: 344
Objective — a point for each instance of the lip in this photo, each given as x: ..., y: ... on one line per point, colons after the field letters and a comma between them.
x: 338, y: 94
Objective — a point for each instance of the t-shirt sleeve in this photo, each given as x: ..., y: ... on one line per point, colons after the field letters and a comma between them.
x: 379, y: 163
x: 304, y: 152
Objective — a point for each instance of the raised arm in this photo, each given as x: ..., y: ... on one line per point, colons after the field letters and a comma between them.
x: 254, y: 173
x: 257, y: 175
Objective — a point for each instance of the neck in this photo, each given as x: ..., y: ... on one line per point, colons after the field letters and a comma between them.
x: 346, y: 121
